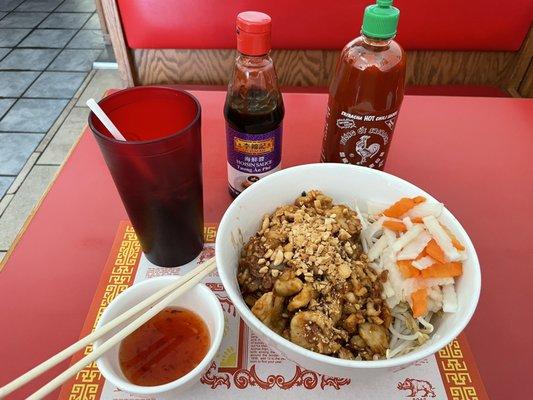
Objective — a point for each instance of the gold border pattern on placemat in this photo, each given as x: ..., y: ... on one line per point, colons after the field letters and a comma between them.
x: 86, y: 384
x: 455, y: 361
x: 455, y: 373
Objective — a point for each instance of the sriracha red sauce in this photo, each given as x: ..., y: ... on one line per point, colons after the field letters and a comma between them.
x: 366, y: 93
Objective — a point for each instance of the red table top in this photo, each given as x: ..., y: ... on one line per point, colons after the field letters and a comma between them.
x: 471, y: 153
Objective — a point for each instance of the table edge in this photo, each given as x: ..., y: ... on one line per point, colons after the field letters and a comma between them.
x: 35, y: 208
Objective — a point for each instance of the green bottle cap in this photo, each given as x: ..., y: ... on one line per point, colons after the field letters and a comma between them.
x: 381, y: 20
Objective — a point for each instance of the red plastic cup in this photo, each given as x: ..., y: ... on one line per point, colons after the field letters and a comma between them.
x: 157, y: 170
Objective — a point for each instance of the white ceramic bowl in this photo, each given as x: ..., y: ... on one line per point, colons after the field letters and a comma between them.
x: 344, y: 183
x: 199, y: 299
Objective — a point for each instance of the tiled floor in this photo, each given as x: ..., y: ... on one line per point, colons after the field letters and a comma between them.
x: 37, y: 167
x: 47, y: 48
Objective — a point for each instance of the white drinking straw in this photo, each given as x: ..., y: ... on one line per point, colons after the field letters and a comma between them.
x: 104, y: 119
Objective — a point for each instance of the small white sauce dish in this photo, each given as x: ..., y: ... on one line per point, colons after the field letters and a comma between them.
x: 200, y: 299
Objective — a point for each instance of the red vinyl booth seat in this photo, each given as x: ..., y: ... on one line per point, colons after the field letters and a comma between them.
x: 452, y: 25
x: 321, y: 24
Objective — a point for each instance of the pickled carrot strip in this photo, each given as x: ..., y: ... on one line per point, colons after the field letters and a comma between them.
x: 446, y: 270
x: 434, y: 251
x: 420, y: 302
x: 399, y: 208
x: 402, y: 206
x: 395, y: 226
x: 407, y: 269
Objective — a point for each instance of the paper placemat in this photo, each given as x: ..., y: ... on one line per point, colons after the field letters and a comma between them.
x: 246, y: 368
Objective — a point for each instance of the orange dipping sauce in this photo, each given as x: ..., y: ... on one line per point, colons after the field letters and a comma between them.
x: 165, y: 348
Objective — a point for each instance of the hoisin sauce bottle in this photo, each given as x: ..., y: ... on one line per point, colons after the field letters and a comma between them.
x: 254, y: 106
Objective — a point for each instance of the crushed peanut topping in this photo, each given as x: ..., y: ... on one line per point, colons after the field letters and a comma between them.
x: 304, y: 275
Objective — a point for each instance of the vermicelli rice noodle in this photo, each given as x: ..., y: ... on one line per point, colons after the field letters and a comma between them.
x: 405, y: 255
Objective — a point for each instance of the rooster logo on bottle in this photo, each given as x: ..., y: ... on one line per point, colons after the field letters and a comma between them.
x: 364, y: 150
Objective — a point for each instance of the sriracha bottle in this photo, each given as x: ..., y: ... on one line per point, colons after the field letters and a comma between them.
x: 254, y: 107
x: 366, y: 92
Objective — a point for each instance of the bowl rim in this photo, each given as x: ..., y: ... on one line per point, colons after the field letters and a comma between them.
x: 205, y: 295
x: 256, y: 324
